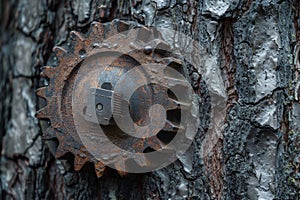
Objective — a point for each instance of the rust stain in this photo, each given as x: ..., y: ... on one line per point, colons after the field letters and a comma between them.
x: 62, y: 78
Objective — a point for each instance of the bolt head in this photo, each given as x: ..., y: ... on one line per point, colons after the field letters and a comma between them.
x: 99, y: 107
x: 147, y: 49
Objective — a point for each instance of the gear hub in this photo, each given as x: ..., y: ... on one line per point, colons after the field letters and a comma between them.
x: 123, y: 79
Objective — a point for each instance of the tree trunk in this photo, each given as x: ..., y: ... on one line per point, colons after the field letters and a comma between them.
x: 251, y: 56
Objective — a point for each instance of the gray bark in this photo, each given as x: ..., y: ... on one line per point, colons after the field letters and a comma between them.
x: 252, y: 53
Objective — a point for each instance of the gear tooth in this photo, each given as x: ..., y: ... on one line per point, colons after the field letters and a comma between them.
x: 79, y: 161
x: 41, y: 92
x: 121, y: 173
x: 59, y: 51
x: 119, y: 166
x: 156, y: 33
x: 42, y: 113
x: 76, y: 36
x: 144, y: 34
x: 123, y: 26
x: 79, y: 43
x: 95, y: 23
x: 99, y: 168
x: 113, y: 29
x: 47, y: 71
x: 117, y: 26
x: 172, y: 62
x: 160, y: 45
x: 97, y: 31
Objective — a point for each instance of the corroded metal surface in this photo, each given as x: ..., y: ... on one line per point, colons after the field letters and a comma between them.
x: 103, y: 64
x: 233, y: 37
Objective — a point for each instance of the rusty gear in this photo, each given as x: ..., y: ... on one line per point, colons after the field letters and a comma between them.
x: 129, y: 52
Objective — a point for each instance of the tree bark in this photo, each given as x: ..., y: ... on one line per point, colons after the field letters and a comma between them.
x: 252, y: 58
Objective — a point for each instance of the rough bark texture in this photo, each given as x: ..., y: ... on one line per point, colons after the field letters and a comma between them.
x: 252, y: 56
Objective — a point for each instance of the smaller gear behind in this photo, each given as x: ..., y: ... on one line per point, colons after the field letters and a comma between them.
x: 103, y: 59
